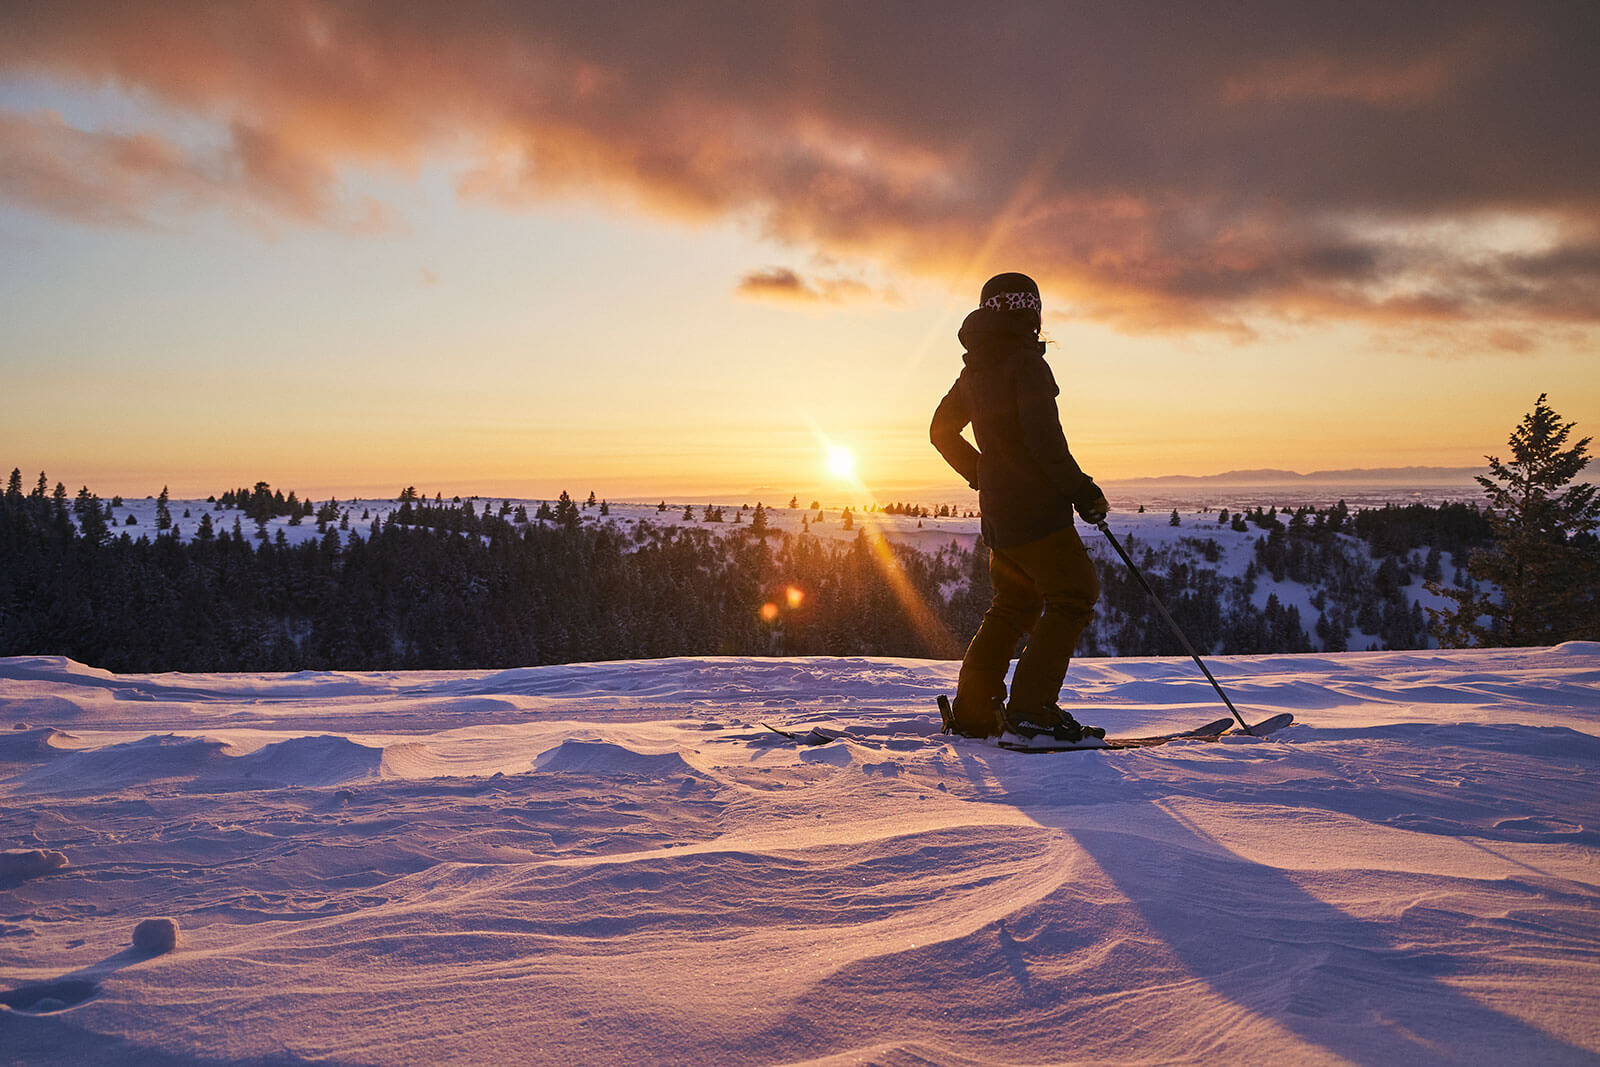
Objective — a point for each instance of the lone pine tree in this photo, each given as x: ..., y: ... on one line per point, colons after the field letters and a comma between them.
x: 1544, y: 561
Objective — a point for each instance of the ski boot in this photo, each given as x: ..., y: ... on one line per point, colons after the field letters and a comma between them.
x: 978, y: 726
x: 1049, y: 725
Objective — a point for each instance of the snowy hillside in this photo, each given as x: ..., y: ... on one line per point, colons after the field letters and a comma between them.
x: 616, y: 863
x: 1340, y: 596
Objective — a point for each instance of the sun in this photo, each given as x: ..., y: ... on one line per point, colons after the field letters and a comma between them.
x: 841, y: 462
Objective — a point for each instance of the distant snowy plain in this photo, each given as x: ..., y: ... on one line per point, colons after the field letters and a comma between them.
x: 617, y: 863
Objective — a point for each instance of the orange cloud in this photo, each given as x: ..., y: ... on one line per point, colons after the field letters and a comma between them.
x: 1154, y: 173
x: 135, y: 179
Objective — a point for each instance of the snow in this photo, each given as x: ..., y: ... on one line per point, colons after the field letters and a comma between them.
x: 616, y: 863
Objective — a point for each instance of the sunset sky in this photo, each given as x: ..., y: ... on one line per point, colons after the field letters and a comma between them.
x: 681, y: 250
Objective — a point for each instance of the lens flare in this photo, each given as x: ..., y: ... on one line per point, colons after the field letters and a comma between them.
x: 919, y: 615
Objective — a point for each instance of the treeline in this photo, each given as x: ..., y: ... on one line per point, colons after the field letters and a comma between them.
x: 444, y: 586
x: 436, y: 584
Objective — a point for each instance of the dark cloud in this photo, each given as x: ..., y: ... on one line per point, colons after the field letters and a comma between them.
x: 780, y: 282
x: 784, y: 283
x: 1155, y: 165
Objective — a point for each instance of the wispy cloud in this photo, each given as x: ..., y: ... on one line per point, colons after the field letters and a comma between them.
x: 138, y: 179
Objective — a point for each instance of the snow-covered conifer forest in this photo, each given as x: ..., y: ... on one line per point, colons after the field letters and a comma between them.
x: 252, y: 579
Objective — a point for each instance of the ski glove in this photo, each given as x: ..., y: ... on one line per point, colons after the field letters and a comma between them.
x: 1092, y: 506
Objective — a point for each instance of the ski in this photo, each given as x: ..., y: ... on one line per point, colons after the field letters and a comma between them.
x: 817, y: 735
x: 1213, y: 731
x: 1267, y: 726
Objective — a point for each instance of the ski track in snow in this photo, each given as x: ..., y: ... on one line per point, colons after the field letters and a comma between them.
x: 617, y: 863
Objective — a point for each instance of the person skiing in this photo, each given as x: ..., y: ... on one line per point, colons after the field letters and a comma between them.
x: 1028, y: 484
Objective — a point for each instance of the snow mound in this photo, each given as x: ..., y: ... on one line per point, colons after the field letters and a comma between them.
x: 112, y: 767
x: 42, y: 709
x: 51, y: 668
x: 156, y: 936
x: 605, y: 758
x: 39, y: 743
x: 31, y: 863
x: 323, y: 760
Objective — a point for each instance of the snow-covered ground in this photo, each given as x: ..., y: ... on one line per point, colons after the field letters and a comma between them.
x: 616, y: 863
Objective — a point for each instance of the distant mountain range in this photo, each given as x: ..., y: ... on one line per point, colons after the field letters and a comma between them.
x: 1411, y: 476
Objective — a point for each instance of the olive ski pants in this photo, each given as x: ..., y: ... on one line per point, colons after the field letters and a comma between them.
x: 1046, y: 590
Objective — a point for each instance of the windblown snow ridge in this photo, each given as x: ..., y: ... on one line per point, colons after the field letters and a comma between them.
x: 198, y: 763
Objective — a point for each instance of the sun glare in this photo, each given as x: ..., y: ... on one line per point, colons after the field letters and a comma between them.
x: 841, y: 462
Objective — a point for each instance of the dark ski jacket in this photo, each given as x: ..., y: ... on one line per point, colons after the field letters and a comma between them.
x: 1027, y: 480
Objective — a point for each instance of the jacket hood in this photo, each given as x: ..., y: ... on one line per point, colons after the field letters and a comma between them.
x: 989, y: 335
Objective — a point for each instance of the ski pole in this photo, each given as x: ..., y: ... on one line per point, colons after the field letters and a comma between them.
x: 1165, y: 614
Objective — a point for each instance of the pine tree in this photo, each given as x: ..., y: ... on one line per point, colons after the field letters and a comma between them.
x: 1174, y: 521
x: 163, y: 513
x: 92, y: 520
x: 1545, y: 561
x: 14, y: 486
x: 566, y: 514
